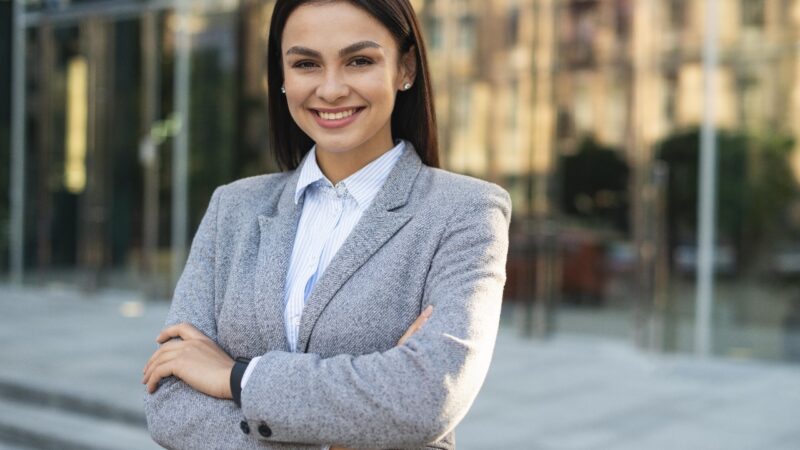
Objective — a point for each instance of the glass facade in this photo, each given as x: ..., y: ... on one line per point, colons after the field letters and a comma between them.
x: 587, y: 111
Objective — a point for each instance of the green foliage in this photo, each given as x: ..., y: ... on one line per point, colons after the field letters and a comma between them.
x: 594, y: 185
x: 755, y: 183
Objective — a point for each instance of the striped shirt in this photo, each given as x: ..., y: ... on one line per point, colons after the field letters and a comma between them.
x: 329, y: 215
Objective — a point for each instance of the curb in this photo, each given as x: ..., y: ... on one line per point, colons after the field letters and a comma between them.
x: 21, y: 393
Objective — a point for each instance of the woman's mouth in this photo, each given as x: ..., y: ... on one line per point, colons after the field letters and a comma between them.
x: 338, y: 118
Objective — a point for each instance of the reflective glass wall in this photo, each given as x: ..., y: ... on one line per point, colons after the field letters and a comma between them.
x: 587, y: 111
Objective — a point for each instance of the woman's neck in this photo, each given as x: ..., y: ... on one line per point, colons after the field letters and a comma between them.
x: 336, y: 166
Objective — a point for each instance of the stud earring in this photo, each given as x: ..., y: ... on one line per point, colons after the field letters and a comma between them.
x: 283, y: 89
x: 407, y: 86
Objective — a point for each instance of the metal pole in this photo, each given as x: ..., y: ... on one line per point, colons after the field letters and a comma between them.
x: 150, y: 155
x: 17, y: 200
x: 707, y: 183
x: 180, y: 153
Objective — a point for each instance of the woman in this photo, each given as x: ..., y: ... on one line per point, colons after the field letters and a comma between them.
x: 316, y: 273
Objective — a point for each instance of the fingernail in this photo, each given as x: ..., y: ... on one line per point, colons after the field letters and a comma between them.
x: 427, y: 311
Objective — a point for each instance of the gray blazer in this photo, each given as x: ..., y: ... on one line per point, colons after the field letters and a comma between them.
x: 429, y: 237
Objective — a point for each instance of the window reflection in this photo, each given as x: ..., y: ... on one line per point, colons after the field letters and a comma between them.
x: 585, y: 110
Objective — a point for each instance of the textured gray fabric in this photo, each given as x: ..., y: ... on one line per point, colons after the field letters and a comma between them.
x: 429, y: 237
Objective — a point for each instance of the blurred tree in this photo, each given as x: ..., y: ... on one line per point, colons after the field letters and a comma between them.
x: 755, y: 183
x: 594, y: 185
x: 212, y: 129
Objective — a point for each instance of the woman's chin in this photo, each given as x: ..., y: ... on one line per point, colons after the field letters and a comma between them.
x: 335, y: 145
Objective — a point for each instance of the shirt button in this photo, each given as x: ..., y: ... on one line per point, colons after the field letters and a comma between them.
x: 264, y: 430
x: 245, y: 427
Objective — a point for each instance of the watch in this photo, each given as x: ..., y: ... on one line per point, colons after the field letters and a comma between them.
x: 239, y: 367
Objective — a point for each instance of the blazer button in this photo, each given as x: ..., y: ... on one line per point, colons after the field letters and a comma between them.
x: 264, y: 430
x: 245, y: 427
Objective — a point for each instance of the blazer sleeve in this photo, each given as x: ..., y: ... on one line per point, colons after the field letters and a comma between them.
x: 413, y: 394
x: 178, y: 416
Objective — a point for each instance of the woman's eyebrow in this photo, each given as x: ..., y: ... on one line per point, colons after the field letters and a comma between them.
x: 303, y: 51
x: 352, y: 48
x: 358, y: 46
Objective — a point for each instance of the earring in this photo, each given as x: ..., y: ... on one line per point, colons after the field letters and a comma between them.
x: 407, y: 86
x: 283, y: 89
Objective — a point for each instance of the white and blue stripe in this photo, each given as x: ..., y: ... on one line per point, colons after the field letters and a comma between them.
x: 329, y: 215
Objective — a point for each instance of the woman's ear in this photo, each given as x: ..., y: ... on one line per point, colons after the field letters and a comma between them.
x: 408, y: 66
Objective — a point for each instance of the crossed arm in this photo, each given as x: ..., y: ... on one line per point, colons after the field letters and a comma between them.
x: 203, y: 365
x: 199, y: 362
x: 408, y: 396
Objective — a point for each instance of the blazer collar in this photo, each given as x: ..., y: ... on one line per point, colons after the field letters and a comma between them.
x: 377, y: 225
x: 382, y: 220
x: 278, y: 227
x: 397, y: 188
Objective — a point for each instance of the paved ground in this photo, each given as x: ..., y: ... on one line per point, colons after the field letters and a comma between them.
x: 70, y: 365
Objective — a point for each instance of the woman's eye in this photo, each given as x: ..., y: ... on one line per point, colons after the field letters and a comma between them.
x: 359, y: 62
x: 304, y: 65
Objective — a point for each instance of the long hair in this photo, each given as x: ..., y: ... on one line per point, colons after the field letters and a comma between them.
x: 413, y: 117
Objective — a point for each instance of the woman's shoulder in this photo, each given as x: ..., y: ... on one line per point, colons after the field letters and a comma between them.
x: 445, y: 187
x: 255, y: 190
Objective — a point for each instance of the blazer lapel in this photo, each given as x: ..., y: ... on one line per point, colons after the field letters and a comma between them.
x: 378, y: 224
x: 278, y: 229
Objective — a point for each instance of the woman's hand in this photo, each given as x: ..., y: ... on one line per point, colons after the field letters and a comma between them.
x: 195, y: 359
x: 423, y: 317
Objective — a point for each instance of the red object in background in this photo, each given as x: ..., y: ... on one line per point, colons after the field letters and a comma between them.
x: 583, y: 271
x: 580, y: 262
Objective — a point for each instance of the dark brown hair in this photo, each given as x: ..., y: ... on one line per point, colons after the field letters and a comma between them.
x: 413, y: 117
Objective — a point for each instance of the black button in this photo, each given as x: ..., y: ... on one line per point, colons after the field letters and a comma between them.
x: 245, y: 427
x: 264, y: 430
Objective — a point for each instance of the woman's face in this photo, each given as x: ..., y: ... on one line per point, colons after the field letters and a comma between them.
x: 341, y: 72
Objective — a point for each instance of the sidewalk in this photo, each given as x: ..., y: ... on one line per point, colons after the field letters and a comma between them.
x: 70, y: 373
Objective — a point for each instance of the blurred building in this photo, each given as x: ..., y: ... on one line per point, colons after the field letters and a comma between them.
x: 518, y: 81
x: 583, y: 109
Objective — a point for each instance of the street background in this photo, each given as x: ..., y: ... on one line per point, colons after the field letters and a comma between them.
x: 71, y: 373
x: 651, y: 149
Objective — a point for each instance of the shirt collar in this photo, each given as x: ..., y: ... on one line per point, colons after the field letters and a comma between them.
x: 363, y: 185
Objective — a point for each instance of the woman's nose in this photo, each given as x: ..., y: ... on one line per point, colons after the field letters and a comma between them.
x: 332, y: 87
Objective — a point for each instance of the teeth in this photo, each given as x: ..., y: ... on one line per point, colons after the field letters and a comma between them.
x: 336, y: 116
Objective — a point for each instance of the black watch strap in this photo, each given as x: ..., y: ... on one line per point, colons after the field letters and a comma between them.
x: 239, y: 367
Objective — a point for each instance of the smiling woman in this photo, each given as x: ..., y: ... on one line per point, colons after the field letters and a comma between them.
x: 345, y: 52
x: 342, y: 70
x: 354, y: 299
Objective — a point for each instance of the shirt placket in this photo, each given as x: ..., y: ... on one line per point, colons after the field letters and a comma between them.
x: 331, y: 200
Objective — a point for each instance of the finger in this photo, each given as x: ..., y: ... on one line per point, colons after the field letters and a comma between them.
x: 421, y: 319
x: 404, y: 338
x: 183, y: 330
x: 411, y: 330
x: 168, y: 361
x: 164, y: 356
x: 160, y: 372
x: 164, y: 347
x: 423, y: 316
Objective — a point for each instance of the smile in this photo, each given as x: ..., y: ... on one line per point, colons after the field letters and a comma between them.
x: 338, y: 115
x: 336, y: 118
